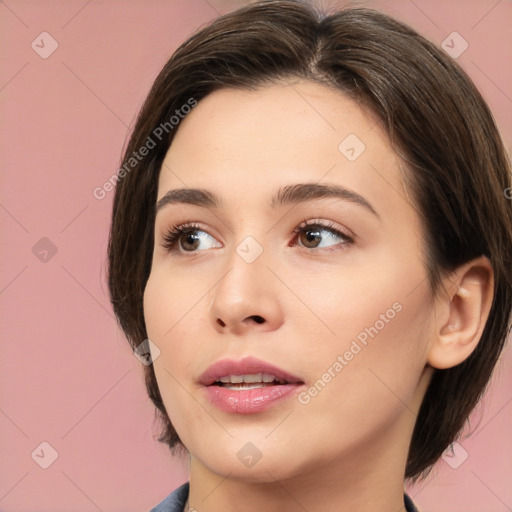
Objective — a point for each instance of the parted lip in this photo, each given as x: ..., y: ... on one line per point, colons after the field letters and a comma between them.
x: 247, y: 365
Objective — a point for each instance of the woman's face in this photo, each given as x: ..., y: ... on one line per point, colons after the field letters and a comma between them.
x: 311, y: 262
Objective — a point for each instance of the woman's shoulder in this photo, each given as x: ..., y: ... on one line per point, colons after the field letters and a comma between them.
x: 175, y: 502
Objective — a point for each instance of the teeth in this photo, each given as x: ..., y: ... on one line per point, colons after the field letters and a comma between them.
x: 256, y: 377
x: 246, y: 385
x: 249, y: 379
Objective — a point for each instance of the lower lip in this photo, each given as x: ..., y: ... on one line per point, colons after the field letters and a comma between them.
x: 249, y: 401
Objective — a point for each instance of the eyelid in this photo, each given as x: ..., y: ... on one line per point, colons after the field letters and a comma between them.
x: 329, y: 226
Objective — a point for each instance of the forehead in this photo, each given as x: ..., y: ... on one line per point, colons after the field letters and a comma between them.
x: 252, y: 142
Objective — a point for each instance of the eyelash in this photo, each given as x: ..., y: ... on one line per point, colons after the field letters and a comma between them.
x: 173, y: 234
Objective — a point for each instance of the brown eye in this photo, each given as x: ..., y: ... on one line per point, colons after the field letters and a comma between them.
x: 188, y: 238
x: 310, y: 238
x: 189, y: 241
x: 318, y: 236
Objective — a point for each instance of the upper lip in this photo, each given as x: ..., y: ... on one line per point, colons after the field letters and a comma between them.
x: 247, y: 365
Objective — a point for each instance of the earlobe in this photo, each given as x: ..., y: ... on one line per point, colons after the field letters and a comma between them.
x: 461, y: 313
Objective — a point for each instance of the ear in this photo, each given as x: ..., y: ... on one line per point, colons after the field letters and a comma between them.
x: 462, y: 309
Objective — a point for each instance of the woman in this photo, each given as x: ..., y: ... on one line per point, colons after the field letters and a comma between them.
x: 311, y: 226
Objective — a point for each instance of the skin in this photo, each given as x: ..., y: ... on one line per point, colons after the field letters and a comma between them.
x: 346, y: 448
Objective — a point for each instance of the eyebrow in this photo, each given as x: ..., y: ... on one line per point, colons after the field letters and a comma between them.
x: 287, y: 195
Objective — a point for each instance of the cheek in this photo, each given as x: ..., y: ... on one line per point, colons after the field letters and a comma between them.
x: 160, y: 311
x: 172, y: 304
x: 377, y: 357
x: 166, y: 324
x: 177, y: 320
x: 379, y: 329
x: 165, y: 318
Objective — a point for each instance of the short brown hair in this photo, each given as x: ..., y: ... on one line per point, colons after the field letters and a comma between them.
x: 457, y: 167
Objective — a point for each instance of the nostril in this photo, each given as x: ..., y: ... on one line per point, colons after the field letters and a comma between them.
x: 258, y: 319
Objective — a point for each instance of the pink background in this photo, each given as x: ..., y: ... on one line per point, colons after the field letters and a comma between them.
x: 67, y: 374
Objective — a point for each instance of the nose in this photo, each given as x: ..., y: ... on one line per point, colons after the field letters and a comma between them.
x: 246, y: 298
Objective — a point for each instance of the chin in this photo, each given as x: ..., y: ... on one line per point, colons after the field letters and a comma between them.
x: 258, y: 474
x: 245, y: 462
